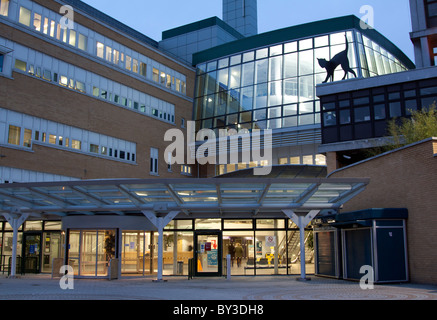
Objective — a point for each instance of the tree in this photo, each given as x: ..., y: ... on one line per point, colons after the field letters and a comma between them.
x: 421, y: 125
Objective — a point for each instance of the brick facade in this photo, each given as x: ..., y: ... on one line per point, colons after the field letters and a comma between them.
x: 404, y: 178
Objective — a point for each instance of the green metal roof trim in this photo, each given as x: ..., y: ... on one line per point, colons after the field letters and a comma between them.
x: 297, y: 32
x: 371, y: 214
x: 199, y: 25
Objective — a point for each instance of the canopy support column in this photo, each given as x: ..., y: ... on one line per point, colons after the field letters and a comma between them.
x: 160, y: 223
x: 301, y: 220
x: 15, y: 219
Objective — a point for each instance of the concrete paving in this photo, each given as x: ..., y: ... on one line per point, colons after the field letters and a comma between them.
x: 43, y: 287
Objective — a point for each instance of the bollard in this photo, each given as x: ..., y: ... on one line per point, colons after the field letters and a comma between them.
x: 228, y: 265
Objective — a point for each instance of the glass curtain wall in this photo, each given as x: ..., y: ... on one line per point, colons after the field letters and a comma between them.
x: 274, y: 87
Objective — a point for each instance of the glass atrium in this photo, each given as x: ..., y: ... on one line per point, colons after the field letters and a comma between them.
x: 273, y: 87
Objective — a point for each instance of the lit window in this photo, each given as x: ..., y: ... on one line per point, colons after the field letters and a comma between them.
x: 37, y: 22
x: 108, y: 54
x: 80, y: 86
x: 295, y: 160
x: 96, y: 91
x: 135, y: 65
x: 46, y: 26
x: 283, y: 161
x: 63, y: 80
x: 320, y: 160
x: 52, y: 139
x: 100, y: 49
x: 104, y: 151
x: 20, y: 65
x: 72, y: 40
x: 14, y: 135
x: 128, y: 63
x: 187, y: 169
x: 52, y: 28
x: 47, y: 75
x: 178, y: 85
x: 116, y: 55
x: 163, y: 78
x: 307, y: 159
x: 24, y: 17
x: 4, y: 7
x: 153, y: 161
x: 76, y: 144
x: 155, y: 75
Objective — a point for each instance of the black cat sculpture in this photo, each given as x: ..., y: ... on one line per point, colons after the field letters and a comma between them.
x: 339, y: 59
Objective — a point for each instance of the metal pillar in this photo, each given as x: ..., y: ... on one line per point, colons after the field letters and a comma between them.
x: 15, y: 219
x: 302, y: 220
x: 160, y: 223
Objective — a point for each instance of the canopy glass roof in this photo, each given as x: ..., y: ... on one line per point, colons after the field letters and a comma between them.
x: 214, y: 195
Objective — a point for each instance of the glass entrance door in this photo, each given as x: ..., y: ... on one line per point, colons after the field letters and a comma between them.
x: 31, y: 253
x: 208, y: 254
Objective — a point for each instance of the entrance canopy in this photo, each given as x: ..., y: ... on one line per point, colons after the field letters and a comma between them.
x: 211, y: 197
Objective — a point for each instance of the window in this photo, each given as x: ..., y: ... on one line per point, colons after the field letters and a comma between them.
x: 20, y: 65
x: 52, y: 28
x: 108, y: 54
x: 100, y: 49
x: 155, y: 75
x: 186, y: 170
x: 153, y: 161
x: 135, y: 65
x: 46, y: 26
x: 143, y: 69
x: 52, y: 139
x: 82, y: 43
x: 1, y: 62
x: 72, y: 40
x: 37, y: 22
x: 24, y: 17
x: 128, y: 63
x: 4, y: 7
x: 94, y: 148
x: 76, y: 144
x: 14, y: 135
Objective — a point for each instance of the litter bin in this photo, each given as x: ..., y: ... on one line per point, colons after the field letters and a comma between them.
x: 180, y: 268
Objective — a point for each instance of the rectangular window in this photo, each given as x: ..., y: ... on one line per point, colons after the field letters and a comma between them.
x: 4, y: 7
x: 82, y: 43
x: 108, y: 54
x: 155, y: 75
x: 153, y: 161
x: 20, y: 65
x: 143, y: 69
x: 27, y: 139
x: 46, y: 26
x: 2, y: 57
x: 14, y: 135
x: 37, y: 22
x: 25, y: 16
x: 100, y: 49
x: 72, y: 40
x: 116, y: 55
x: 163, y: 78
x: 52, y: 28
x: 80, y: 86
x: 94, y: 148
x: 135, y: 65
x: 63, y: 80
x: 52, y: 139
x: 76, y: 144
x: 128, y: 63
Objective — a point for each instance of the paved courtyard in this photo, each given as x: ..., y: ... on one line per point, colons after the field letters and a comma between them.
x: 43, y: 287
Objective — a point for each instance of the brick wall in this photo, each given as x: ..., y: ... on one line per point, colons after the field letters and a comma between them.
x: 405, y: 178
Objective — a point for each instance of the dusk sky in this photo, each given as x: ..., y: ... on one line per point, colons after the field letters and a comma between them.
x: 391, y: 17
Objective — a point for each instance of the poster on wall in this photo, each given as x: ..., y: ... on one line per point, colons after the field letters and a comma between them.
x: 212, y: 257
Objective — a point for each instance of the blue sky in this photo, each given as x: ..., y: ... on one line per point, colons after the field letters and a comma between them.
x: 391, y: 17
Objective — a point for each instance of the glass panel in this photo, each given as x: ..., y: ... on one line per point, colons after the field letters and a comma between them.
x: 271, y: 252
x: 306, y: 62
x: 105, y: 250
x: 88, y: 253
x: 261, y: 71
x: 73, y: 251
x: 207, y: 253
x: 178, y: 249
x: 33, y: 225
x: 248, y: 74
x: 345, y: 116
x: 52, y: 225
x: 32, y: 253
x: 379, y: 111
x: 24, y: 16
x: 239, y: 244
x: 52, y: 249
x: 4, y: 7
x: 133, y: 258
x: 269, y: 223
x: 180, y: 224
x: 235, y: 76
x: 362, y: 114
x: 237, y: 224
x: 209, y: 224
x: 14, y: 135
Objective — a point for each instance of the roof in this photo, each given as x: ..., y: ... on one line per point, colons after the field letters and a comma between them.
x: 98, y: 15
x: 299, y: 32
x: 190, y: 196
x: 199, y: 25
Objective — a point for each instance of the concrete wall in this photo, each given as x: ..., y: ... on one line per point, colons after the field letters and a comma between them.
x: 405, y: 178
